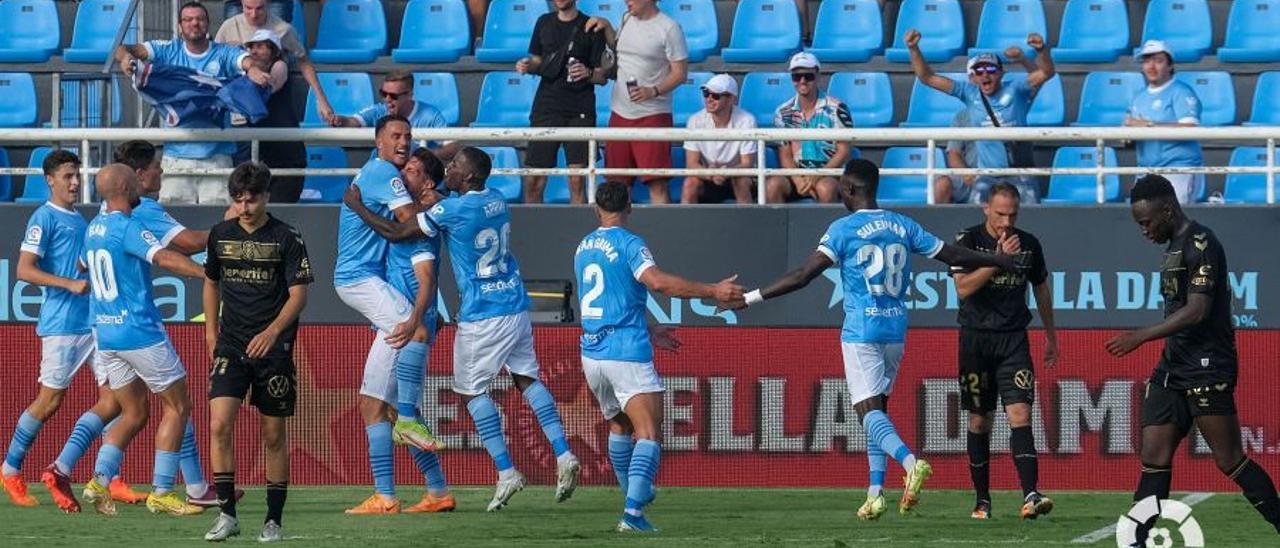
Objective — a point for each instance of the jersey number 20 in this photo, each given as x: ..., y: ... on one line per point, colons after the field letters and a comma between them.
x: 101, y: 275
x: 882, y: 267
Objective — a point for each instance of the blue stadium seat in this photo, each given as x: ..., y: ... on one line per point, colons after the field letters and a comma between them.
x: 869, y: 96
x: 906, y: 189
x: 348, y: 93
x: 325, y: 189
x: 1007, y: 23
x: 608, y: 9
x: 1105, y: 97
x: 1266, y: 101
x: 687, y: 99
x: 1217, y: 96
x: 1184, y: 25
x: 1251, y: 35
x: 433, y: 31
x: 6, y: 182
x: 35, y: 190
x: 30, y: 31
x: 508, y: 29
x: 505, y: 100
x: 929, y: 107
x: 351, y: 31
x: 941, y: 22
x: 440, y: 90
x: 762, y: 92
x: 848, y: 31
x: 511, y: 186
x: 1082, y: 189
x: 93, y: 114
x: 698, y: 19
x: 1247, y: 188
x: 95, y: 30
x: 299, y: 21
x: 764, y: 31
x: 18, y: 104
x: 1093, y: 31
x: 1049, y: 108
x: 604, y: 95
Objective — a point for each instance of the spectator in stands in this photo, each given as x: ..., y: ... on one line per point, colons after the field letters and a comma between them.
x: 265, y: 49
x: 193, y: 51
x: 282, y: 9
x: 990, y: 103
x: 237, y: 30
x: 652, y: 61
x: 1167, y: 103
x: 563, y: 53
x: 810, y: 108
x: 720, y: 95
x: 397, y: 98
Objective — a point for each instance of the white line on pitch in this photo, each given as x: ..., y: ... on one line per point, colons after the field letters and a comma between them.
x: 1110, y: 530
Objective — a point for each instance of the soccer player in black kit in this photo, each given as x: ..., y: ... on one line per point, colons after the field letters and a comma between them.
x: 1196, y: 377
x: 258, y: 266
x: 995, y: 356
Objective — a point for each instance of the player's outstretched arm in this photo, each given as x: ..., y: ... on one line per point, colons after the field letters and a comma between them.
x: 189, y: 242
x: 391, y: 230
x: 955, y: 255
x: 671, y: 285
x: 968, y: 283
x: 1196, y: 310
x: 29, y: 271
x: 791, y: 281
x: 177, y: 263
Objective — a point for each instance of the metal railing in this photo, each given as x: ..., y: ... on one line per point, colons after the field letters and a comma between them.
x: 930, y: 138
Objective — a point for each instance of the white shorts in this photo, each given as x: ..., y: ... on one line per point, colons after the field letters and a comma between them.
x: 194, y: 189
x: 614, y: 383
x: 1186, y: 185
x: 158, y: 366
x: 870, y: 368
x: 379, y: 380
x: 61, y: 357
x: 481, y: 349
x: 377, y: 301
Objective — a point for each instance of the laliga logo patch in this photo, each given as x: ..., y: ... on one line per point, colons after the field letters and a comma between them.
x: 645, y: 254
x: 149, y: 238
x: 1160, y: 537
x: 397, y: 186
x: 33, y: 235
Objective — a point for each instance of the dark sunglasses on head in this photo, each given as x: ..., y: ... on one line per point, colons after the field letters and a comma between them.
x: 986, y: 69
x: 803, y: 76
x: 393, y: 96
x: 710, y: 95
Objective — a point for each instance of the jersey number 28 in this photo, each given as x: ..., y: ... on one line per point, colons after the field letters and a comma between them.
x: 882, y: 267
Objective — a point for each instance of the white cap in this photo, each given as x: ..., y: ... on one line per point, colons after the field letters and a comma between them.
x: 265, y: 35
x: 804, y: 59
x: 1151, y: 47
x: 722, y: 83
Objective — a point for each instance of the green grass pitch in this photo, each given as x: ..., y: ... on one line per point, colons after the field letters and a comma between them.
x: 686, y: 517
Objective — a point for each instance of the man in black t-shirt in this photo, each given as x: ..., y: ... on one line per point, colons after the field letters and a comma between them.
x: 258, y: 266
x: 995, y: 356
x: 563, y: 53
x: 1196, y: 377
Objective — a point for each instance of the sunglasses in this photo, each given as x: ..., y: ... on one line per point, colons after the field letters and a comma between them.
x: 803, y: 77
x: 710, y: 95
x: 393, y: 96
x: 985, y: 69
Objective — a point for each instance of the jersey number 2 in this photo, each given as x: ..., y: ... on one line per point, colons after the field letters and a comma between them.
x: 101, y: 275
x: 883, y: 268
x: 593, y: 276
x: 495, y: 245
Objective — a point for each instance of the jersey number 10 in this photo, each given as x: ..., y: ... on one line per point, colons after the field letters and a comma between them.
x: 882, y: 268
x: 101, y: 275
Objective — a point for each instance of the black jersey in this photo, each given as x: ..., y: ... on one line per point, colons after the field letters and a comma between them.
x: 254, y: 273
x: 1203, y: 354
x: 1001, y: 304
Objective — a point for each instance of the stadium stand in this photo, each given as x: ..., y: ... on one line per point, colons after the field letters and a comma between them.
x: 351, y: 31
x: 1246, y: 188
x: 348, y: 92
x: 6, y: 182
x: 507, y: 30
x: 505, y: 100
x: 868, y: 94
x: 510, y: 186
x: 906, y: 189
x: 1217, y: 95
x: 1266, y: 101
x: 420, y: 38
x: 764, y: 31
x: 698, y: 19
x: 1007, y: 23
x: 603, y: 94
x: 1184, y: 25
x: 30, y: 31
x: 299, y: 21
x: 95, y: 29
x: 942, y: 23
x: 1081, y: 189
x: 1104, y: 99
x: 1092, y: 31
x: 1050, y: 105
x: 848, y: 31
x: 608, y: 9
x: 687, y: 99
x: 35, y: 189
x: 18, y: 102
x: 91, y: 90
x: 929, y: 107
x: 325, y: 189
x: 762, y: 92
x: 1251, y: 35
x: 440, y: 90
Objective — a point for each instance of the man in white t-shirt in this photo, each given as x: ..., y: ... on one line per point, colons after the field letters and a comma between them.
x: 237, y: 30
x: 720, y: 96
x: 653, y: 60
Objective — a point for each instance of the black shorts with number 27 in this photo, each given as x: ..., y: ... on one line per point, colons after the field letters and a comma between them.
x: 270, y: 382
x: 995, y: 364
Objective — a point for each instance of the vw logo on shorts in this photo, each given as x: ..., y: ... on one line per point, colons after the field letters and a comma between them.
x: 278, y: 386
x: 1160, y: 537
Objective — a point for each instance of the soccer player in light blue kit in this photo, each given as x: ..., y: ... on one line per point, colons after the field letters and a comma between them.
x: 872, y: 248
x: 615, y: 272
x: 50, y: 257
x: 493, y: 328
x: 132, y: 342
x: 1167, y: 102
x: 360, y: 279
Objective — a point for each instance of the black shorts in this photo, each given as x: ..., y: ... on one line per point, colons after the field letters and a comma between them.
x: 995, y: 363
x: 270, y: 382
x: 711, y: 193
x: 542, y: 154
x: 1162, y: 405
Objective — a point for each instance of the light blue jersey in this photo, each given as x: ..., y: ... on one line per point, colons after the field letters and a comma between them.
x: 477, y: 226
x: 219, y: 61
x: 362, y: 253
x: 157, y: 221
x: 608, y: 264
x: 423, y: 116
x: 56, y: 236
x: 401, y: 259
x: 1010, y: 104
x: 118, y: 251
x: 1174, y: 102
x: 872, y: 248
